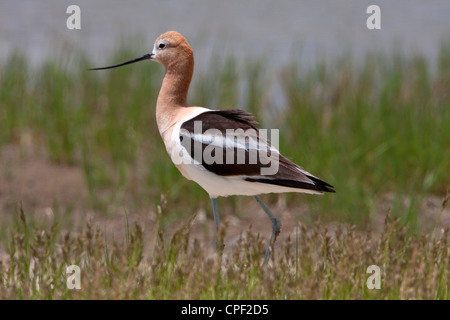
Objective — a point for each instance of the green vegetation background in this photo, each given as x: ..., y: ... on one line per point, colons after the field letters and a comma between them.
x: 379, y: 128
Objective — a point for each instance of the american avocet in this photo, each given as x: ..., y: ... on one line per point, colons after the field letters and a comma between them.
x: 219, y: 149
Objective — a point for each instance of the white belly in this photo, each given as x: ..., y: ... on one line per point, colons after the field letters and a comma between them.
x: 224, y: 186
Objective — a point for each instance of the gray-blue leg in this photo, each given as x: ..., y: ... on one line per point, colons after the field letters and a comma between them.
x: 276, y: 227
x: 217, y: 221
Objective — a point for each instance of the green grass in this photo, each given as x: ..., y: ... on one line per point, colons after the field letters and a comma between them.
x: 381, y: 129
x: 376, y: 130
x: 370, y: 130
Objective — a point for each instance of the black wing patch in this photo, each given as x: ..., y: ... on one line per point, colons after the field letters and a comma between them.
x: 222, y: 120
x: 289, y: 174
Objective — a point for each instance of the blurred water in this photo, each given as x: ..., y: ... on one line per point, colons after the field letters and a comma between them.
x: 252, y: 28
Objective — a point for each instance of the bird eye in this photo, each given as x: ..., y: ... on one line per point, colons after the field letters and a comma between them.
x: 161, y: 46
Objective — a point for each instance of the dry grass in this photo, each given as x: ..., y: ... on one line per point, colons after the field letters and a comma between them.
x: 317, y: 262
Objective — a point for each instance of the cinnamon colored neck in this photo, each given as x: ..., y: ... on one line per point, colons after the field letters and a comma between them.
x: 173, y: 93
x: 175, y: 86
